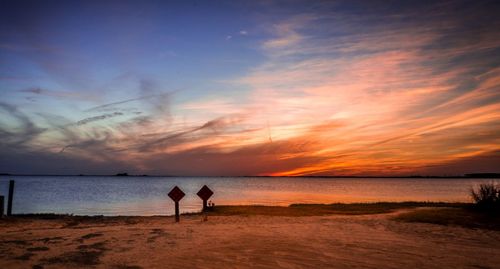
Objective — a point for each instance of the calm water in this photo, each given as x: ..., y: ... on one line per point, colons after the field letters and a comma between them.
x: 148, y: 195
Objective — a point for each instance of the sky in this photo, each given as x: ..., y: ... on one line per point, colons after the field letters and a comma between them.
x: 233, y: 88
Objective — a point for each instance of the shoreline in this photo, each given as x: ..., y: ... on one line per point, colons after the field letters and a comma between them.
x: 300, y: 208
x: 442, y: 213
x: 247, y: 237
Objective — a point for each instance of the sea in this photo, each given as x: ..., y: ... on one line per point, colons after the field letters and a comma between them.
x: 145, y: 196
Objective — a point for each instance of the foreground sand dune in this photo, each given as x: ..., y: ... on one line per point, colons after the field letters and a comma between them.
x: 367, y: 241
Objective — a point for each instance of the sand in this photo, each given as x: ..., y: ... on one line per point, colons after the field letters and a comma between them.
x: 335, y: 241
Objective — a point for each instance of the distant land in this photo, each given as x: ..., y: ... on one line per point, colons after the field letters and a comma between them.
x: 483, y: 175
x: 124, y: 174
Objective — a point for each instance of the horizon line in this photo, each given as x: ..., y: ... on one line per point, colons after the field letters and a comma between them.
x: 468, y: 175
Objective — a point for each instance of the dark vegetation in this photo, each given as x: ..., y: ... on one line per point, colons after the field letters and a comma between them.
x: 91, y: 235
x: 124, y: 266
x: 487, y: 198
x: 326, y: 209
x: 74, y: 221
x: 484, y: 213
x: 483, y: 175
x: 25, y: 257
x: 38, y: 249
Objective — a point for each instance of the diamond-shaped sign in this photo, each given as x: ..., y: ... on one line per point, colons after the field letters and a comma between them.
x: 176, y: 194
x: 204, y: 193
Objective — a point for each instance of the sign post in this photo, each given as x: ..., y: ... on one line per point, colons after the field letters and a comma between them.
x: 2, y: 206
x: 11, y: 197
x: 176, y: 194
x: 205, y: 193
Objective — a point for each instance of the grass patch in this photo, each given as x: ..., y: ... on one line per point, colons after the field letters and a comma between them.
x: 79, y: 258
x: 466, y: 217
x: 74, y: 220
x: 92, y: 235
x: 123, y: 266
x: 25, y: 257
x: 51, y: 240
x: 44, y: 216
x: 16, y: 242
x: 325, y: 209
x: 95, y: 246
x: 38, y: 249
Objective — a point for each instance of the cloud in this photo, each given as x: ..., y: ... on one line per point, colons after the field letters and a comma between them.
x: 98, y: 118
x: 23, y: 132
x: 61, y: 94
x: 159, y: 101
x: 161, y: 142
x: 114, y: 104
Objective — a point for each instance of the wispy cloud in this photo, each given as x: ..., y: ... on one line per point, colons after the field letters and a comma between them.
x: 61, y: 94
x: 98, y: 118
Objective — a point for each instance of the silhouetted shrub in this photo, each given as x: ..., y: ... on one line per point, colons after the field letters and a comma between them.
x: 487, y: 196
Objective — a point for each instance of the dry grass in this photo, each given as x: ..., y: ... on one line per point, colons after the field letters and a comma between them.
x: 459, y: 214
x: 298, y: 210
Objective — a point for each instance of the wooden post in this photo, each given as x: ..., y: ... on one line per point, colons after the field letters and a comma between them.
x: 11, y: 197
x: 205, y: 206
x: 2, y: 206
x: 177, y: 217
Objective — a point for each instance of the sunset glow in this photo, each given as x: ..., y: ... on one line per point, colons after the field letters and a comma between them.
x: 337, y: 88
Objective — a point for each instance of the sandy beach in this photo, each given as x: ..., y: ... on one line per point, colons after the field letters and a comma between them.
x: 255, y: 241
